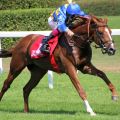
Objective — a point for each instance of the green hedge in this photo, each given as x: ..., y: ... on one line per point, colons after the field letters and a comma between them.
x: 36, y: 19
x: 24, y: 20
x: 102, y: 7
x: 8, y: 42
x: 26, y: 4
x: 98, y: 7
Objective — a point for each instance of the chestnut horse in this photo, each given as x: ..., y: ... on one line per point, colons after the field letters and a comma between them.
x: 93, y: 30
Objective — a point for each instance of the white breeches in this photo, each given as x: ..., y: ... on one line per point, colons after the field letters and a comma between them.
x: 51, y: 23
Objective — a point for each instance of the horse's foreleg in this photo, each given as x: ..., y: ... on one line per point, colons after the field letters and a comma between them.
x: 80, y: 90
x: 36, y: 75
x: 90, y: 69
x: 72, y: 73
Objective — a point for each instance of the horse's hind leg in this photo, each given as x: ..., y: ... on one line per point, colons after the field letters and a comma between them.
x: 36, y: 75
x: 90, y: 69
x: 15, y: 70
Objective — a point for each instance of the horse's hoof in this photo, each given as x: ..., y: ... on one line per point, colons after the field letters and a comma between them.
x: 115, y: 98
x: 0, y: 96
x: 93, y: 114
x: 26, y: 111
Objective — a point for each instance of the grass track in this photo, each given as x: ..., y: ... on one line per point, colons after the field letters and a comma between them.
x: 113, y: 21
x: 61, y: 103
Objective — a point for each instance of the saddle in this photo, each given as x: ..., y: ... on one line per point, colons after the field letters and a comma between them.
x: 35, y: 52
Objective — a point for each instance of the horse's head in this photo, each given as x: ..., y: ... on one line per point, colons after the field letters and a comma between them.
x: 94, y: 30
x: 102, y: 35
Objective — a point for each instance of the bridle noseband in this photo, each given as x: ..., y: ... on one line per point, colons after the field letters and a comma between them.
x: 101, y: 43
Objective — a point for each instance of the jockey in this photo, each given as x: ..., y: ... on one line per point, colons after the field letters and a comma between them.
x: 57, y: 22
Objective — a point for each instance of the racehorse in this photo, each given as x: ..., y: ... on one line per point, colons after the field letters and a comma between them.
x: 93, y: 30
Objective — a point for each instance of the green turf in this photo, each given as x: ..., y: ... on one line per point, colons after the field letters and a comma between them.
x: 113, y: 21
x: 108, y: 62
x: 61, y: 103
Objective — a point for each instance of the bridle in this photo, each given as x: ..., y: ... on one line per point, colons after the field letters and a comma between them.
x: 89, y: 39
x: 102, y: 44
x: 92, y: 34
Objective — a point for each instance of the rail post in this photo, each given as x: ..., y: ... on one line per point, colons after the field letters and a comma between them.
x: 1, y: 67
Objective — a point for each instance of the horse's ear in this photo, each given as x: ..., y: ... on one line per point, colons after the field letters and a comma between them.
x: 93, y: 16
x: 94, y: 19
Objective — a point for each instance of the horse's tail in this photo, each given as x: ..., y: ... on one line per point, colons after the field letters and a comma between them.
x: 5, y: 53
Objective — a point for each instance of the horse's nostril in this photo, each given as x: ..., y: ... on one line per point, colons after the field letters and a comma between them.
x: 111, y: 51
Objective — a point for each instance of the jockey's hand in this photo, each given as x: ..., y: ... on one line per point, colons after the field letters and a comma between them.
x: 69, y: 33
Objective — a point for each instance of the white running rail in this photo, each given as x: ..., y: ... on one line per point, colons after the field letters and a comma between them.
x: 18, y: 34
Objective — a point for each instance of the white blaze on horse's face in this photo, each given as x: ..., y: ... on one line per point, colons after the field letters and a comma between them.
x: 108, y: 42
x: 109, y: 37
x: 105, y: 40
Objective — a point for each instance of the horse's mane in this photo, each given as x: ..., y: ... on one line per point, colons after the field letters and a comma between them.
x: 79, y: 21
x: 75, y: 21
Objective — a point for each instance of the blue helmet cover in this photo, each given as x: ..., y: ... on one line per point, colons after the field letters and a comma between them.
x: 73, y: 9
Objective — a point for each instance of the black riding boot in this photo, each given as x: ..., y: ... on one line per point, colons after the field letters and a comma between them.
x: 44, y: 47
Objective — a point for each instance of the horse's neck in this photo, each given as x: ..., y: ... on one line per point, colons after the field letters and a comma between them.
x: 81, y: 29
x: 64, y: 43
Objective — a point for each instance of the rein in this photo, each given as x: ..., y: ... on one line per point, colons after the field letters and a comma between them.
x: 81, y: 41
x: 89, y: 31
x: 87, y: 38
x: 81, y: 36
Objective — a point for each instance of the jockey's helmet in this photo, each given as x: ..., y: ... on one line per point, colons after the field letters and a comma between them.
x: 73, y: 9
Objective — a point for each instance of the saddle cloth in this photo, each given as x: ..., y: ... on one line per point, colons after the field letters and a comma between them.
x: 35, y: 52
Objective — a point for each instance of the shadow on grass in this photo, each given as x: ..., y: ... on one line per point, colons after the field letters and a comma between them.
x: 108, y: 113
x: 54, y: 112
x: 101, y: 109
x: 58, y: 112
x: 40, y: 111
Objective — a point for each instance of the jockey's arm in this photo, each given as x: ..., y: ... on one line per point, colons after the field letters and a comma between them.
x: 62, y: 26
x: 69, y: 32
